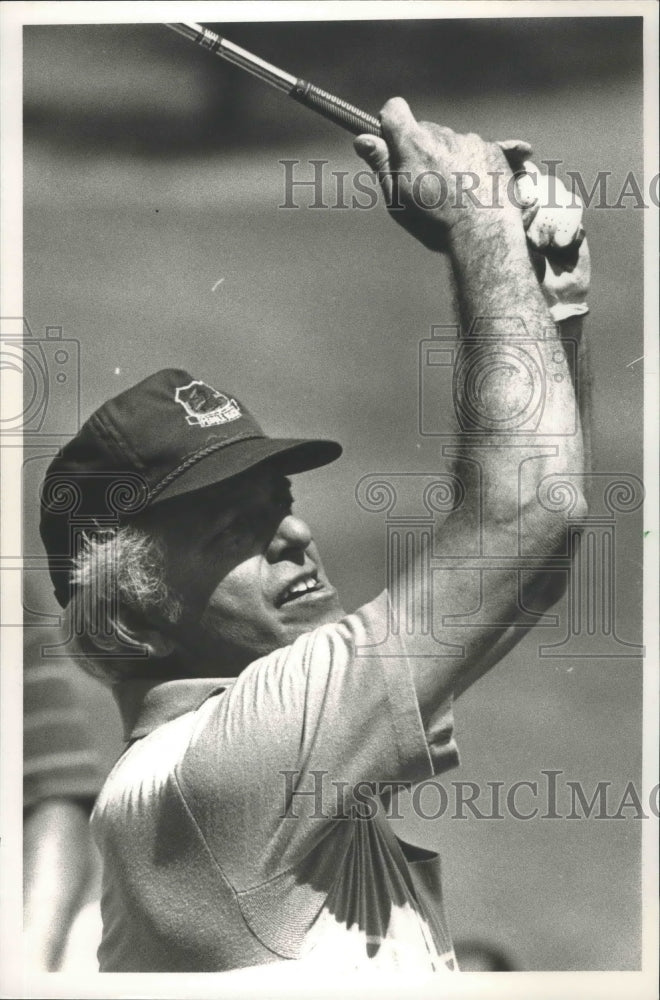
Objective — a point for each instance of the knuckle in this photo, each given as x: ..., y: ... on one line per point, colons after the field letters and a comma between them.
x: 394, y: 105
x: 440, y: 131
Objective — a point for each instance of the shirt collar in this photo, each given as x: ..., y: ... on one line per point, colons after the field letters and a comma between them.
x: 146, y: 704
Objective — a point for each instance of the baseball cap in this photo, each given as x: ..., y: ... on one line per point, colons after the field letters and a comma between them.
x: 169, y: 435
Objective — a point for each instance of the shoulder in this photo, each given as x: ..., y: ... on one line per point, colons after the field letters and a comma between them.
x: 145, y: 771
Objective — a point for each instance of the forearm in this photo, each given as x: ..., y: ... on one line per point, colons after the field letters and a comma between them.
x: 57, y: 864
x: 514, y: 398
x: 516, y: 356
x: 492, y: 270
x: 511, y: 354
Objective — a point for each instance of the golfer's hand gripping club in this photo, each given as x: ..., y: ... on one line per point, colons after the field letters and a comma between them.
x: 556, y: 227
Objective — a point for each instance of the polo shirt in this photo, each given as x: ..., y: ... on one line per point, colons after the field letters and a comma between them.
x: 238, y: 827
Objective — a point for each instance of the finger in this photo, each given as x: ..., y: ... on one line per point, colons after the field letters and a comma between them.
x: 556, y: 227
x: 541, y: 229
x: 527, y: 193
x: 567, y: 226
x: 526, y: 190
x: 558, y: 220
x: 396, y: 118
x: 528, y: 215
x: 568, y: 217
x: 516, y: 152
x: 373, y: 151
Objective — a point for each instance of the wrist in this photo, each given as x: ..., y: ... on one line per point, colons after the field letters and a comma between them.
x: 490, y: 262
x: 491, y: 232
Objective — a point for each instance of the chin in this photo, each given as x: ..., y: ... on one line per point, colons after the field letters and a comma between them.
x: 299, y: 620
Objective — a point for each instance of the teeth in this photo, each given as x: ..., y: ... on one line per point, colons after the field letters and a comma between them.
x: 301, y: 587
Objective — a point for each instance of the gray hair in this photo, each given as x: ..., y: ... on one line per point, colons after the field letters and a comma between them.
x: 119, y: 570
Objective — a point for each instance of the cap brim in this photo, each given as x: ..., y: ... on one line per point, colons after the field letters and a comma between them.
x: 290, y: 455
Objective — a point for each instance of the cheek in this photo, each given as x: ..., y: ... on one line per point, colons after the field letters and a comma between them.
x: 207, y: 578
x: 239, y: 594
x: 196, y: 591
x: 237, y: 613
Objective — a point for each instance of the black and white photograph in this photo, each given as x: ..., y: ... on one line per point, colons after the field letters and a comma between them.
x: 329, y: 339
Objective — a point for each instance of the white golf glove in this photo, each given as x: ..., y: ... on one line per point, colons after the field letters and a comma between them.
x: 552, y: 217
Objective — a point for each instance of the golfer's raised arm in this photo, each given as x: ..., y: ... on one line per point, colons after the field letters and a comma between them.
x: 501, y: 474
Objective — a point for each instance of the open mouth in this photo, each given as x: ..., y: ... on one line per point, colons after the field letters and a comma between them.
x: 300, y: 588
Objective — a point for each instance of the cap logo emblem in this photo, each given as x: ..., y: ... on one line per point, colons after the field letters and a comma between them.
x: 205, y: 406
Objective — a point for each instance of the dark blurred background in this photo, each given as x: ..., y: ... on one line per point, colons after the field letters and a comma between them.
x: 152, y: 172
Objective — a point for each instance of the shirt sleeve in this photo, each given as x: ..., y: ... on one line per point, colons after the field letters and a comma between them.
x: 303, y: 735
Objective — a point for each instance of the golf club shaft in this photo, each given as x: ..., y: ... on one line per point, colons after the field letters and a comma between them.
x: 333, y: 108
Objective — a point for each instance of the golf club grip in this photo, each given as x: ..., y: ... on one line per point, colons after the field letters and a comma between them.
x: 334, y: 109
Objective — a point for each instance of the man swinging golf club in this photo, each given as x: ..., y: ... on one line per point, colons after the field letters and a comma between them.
x: 236, y: 829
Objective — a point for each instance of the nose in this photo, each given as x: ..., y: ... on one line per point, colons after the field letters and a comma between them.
x: 292, y: 536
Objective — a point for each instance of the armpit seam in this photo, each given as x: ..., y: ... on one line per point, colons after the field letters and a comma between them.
x: 237, y: 894
x: 198, y: 828
x: 216, y: 863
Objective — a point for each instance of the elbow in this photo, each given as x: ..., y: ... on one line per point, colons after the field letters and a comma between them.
x: 550, y: 520
x: 546, y: 527
x: 542, y: 527
x: 545, y: 509
x: 551, y: 536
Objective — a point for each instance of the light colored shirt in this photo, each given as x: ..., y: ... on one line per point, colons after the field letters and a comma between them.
x: 214, y: 858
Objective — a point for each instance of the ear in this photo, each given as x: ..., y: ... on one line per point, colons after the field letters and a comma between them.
x: 145, y: 637
x: 135, y: 636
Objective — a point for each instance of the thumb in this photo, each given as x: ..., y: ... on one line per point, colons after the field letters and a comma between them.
x: 516, y: 152
x: 373, y: 150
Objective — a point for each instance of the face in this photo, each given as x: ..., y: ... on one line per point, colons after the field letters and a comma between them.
x: 247, y: 569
